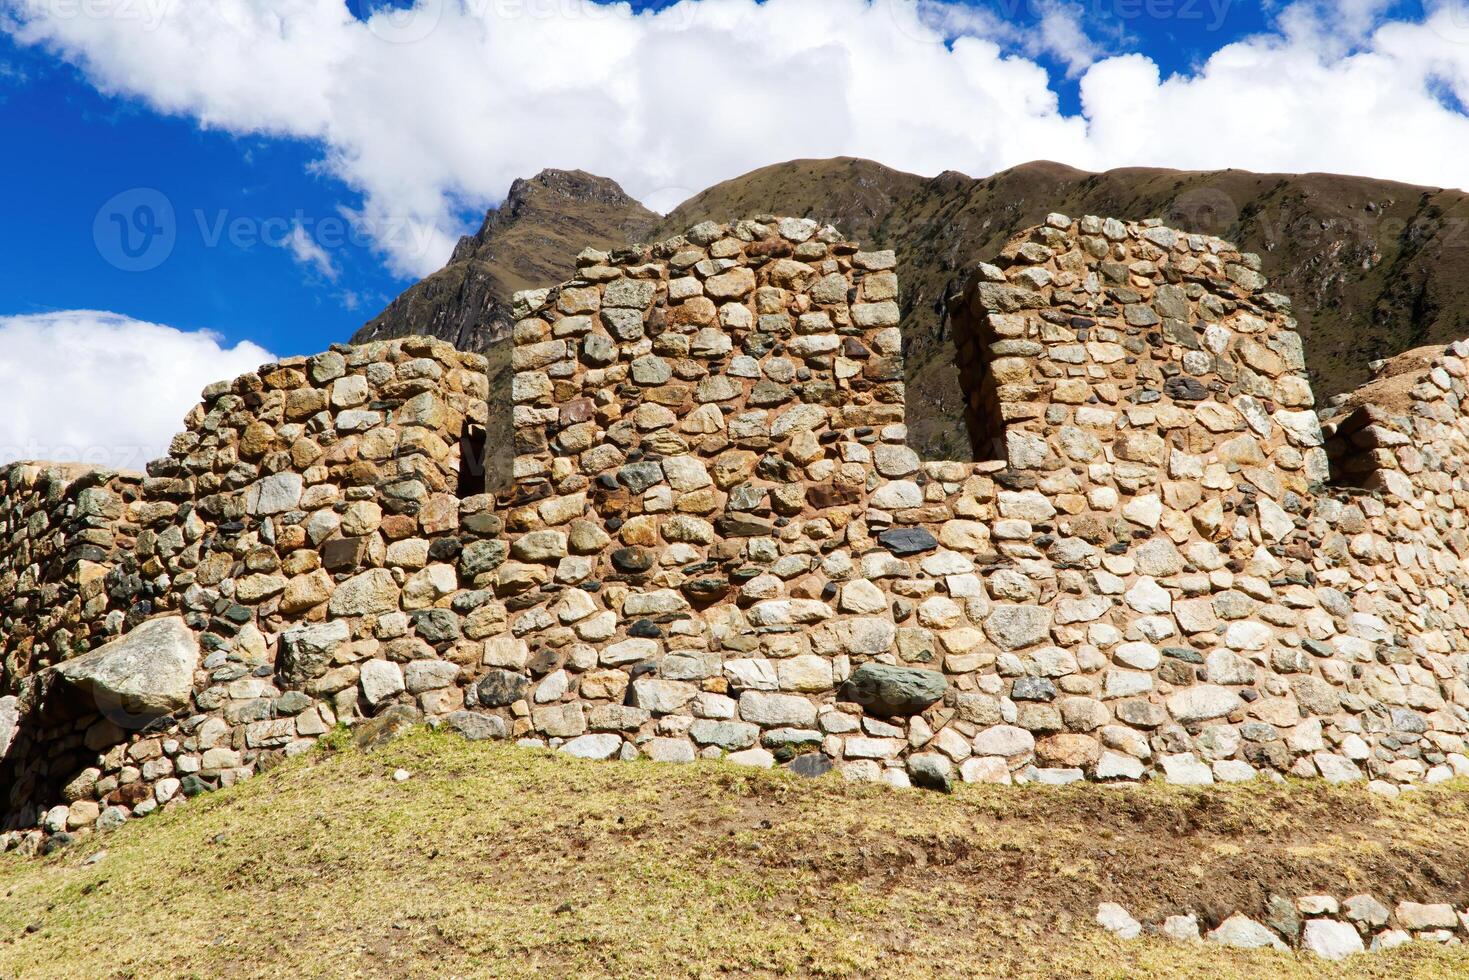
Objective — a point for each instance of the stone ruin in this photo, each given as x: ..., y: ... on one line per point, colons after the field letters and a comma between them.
x: 717, y: 544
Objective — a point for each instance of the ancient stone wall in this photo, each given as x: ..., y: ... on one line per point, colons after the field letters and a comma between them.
x: 62, y: 531
x: 718, y: 543
x: 291, y: 517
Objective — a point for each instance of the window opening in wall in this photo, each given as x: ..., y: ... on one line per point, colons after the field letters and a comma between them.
x: 472, y: 461
x: 972, y: 338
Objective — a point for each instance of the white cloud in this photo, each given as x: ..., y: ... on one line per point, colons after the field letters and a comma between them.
x: 307, y: 252
x: 432, y: 113
x: 1063, y: 35
x: 102, y: 388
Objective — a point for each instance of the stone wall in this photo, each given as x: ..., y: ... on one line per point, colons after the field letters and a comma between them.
x: 62, y: 531
x: 298, y: 525
x: 718, y: 544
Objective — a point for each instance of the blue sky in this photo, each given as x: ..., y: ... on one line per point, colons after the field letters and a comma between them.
x: 275, y: 171
x: 81, y: 148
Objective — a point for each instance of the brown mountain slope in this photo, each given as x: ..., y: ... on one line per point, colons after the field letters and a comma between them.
x: 531, y: 240
x: 1374, y: 267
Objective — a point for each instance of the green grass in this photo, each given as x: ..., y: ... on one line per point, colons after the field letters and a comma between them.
x: 495, y: 861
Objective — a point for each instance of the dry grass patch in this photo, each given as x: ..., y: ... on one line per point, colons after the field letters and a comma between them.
x: 495, y: 861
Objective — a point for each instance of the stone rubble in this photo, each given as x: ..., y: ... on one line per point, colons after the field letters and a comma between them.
x: 1329, y: 931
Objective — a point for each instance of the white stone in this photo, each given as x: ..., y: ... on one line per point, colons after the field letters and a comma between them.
x: 1115, y: 765
x: 275, y: 494
x: 1182, y: 928
x: 1148, y: 597
x: 777, y: 710
x: 1138, y: 655
x: 1243, y: 932
x: 1202, y: 702
x: 1004, y: 740
x: 380, y: 680
x: 1330, y: 939
x: 1336, y: 768
x: 602, y: 745
x: 861, y: 596
x: 552, y: 688
x: 751, y: 675
x: 1146, y: 510
x: 757, y: 757
x: 989, y: 769
x: 1186, y: 770
x: 1118, y: 921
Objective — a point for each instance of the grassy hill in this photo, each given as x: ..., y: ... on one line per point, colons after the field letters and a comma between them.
x: 1374, y: 267
x: 496, y: 861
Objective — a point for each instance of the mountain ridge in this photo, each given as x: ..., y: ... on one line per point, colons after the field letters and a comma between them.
x: 1374, y: 267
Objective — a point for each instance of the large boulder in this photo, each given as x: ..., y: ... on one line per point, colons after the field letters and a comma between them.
x: 884, y: 689
x: 145, y: 674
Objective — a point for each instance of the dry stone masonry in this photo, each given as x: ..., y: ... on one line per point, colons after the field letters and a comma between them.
x: 1317, y: 925
x: 717, y: 543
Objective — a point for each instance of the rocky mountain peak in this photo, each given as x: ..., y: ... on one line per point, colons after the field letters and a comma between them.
x: 547, y: 195
x: 1374, y: 267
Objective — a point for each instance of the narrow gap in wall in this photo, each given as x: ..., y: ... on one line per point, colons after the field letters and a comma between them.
x: 500, y: 451
x: 472, y: 463
x: 973, y: 336
x: 1351, y: 465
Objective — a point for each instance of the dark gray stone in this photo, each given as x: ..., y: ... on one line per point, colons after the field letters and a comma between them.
x: 811, y: 765
x: 1185, y: 389
x: 1141, y: 714
x: 884, y: 689
x: 1404, y: 720
x: 638, y: 477
x: 292, y: 703
x: 144, y: 674
x: 929, y: 770
x: 501, y: 687
x: 1033, y: 689
x: 306, y: 651
x: 1281, y: 915
x: 437, y: 625
x: 474, y: 726
x: 907, y: 541
x: 632, y: 561
x: 395, y: 720
x: 480, y: 557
